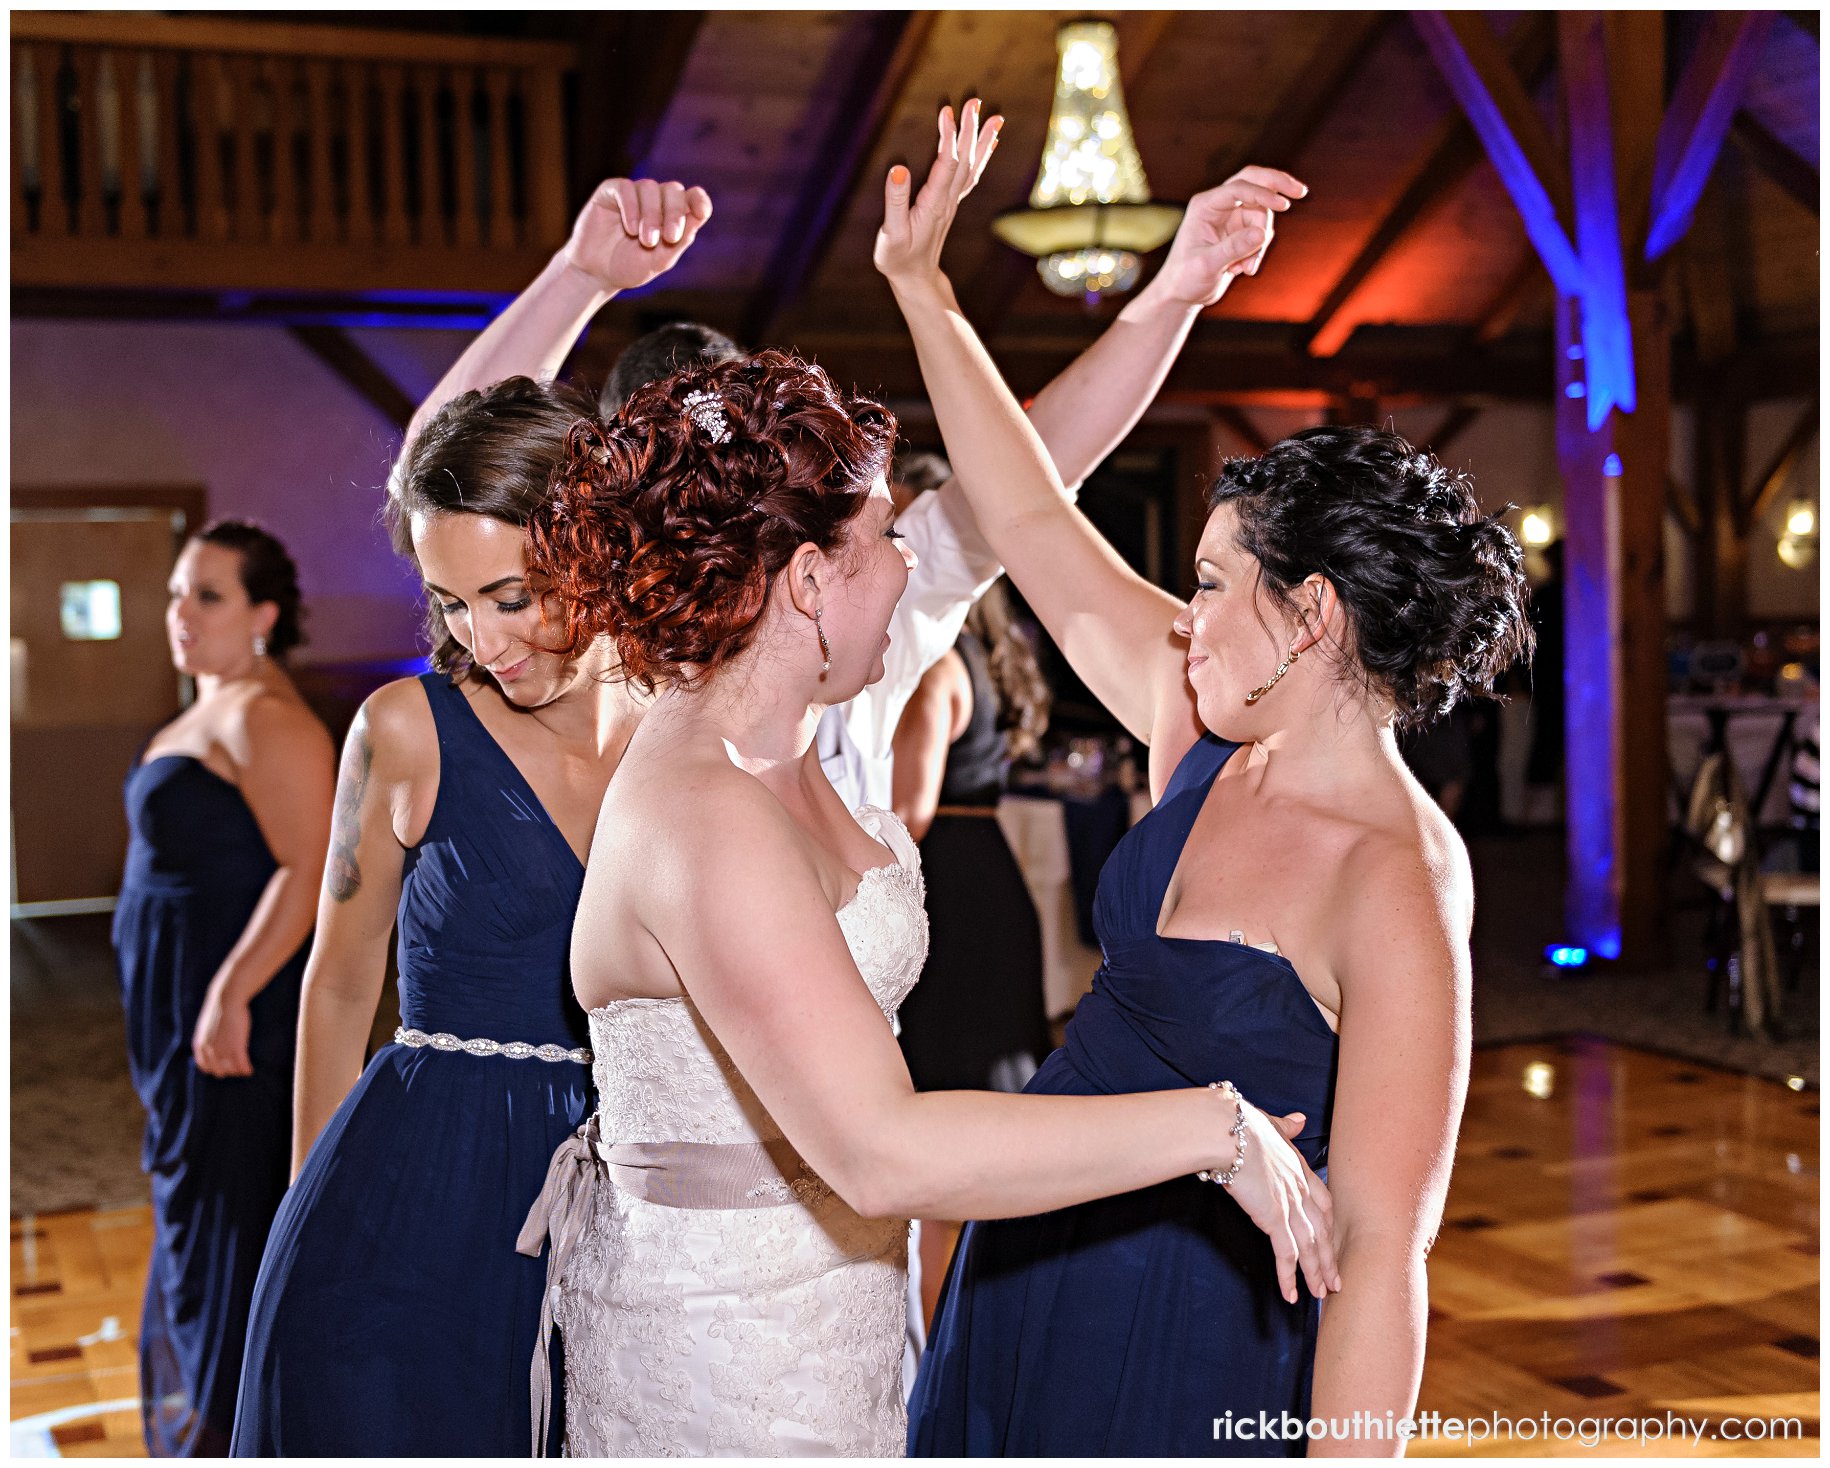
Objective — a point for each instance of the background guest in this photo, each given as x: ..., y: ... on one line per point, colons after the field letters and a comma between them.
x: 229, y: 813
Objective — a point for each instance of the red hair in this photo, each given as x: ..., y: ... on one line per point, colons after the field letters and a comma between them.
x: 666, y: 539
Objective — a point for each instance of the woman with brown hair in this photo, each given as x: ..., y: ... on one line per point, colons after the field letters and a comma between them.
x: 393, y: 1317
x: 730, y: 1231
x: 228, y: 811
x: 977, y: 1019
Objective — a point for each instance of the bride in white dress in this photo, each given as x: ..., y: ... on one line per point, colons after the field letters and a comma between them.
x: 729, y: 1232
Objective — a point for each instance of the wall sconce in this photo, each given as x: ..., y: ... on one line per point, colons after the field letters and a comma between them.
x: 1090, y: 215
x: 1538, y: 528
x: 1798, y: 546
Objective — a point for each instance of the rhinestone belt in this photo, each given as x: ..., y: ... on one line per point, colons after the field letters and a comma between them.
x: 514, y: 1049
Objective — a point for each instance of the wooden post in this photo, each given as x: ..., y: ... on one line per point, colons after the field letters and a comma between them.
x: 1614, y: 662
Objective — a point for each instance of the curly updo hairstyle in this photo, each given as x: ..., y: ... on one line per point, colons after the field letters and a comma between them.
x: 489, y: 452
x: 267, y: 574
x: 1433, y: 589
x: 669, y: 524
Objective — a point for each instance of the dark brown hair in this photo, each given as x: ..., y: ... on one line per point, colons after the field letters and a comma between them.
x: 490, y: 452
x: 1434, y: 590
x: 267, y: 574
x: 668, y: 525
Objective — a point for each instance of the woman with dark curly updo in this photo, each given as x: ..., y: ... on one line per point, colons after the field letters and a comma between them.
x: 729, y: 1232
x: 1292, y: 917
x: 228, y: 811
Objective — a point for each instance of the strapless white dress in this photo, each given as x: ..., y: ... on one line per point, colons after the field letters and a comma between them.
x: 757, y: 1331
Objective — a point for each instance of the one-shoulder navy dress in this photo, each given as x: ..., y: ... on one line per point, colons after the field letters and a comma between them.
x: 1128, y: 1325
x: 393, y: 1315
x: 217, y: 1148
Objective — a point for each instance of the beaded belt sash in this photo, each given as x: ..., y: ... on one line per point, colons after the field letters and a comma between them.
x: 514, y: 1049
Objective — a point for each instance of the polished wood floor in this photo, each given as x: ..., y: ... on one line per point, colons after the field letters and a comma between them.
x: 1627, y: 1237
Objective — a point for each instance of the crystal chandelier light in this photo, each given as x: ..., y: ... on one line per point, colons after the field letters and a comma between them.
x: 1090, y: 215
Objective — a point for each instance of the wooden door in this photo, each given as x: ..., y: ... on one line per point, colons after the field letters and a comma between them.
x: 92, y: 678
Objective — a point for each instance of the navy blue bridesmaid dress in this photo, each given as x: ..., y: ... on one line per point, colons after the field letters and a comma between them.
x: 393, y: 1315
x: 217, y: 1148
x: 1127, y: 1326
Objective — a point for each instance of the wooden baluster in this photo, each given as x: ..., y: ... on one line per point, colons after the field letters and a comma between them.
x: 395, y: 228
x: 432, y: 225
x: 28, y: 140
x: 127, y: 66
x: 363, y: 227
x: 250, y: 213
x: 212, y: 106
x: 281, y: 75
x: 321, y: 223
x: 174, y: 208
x: 502, y: 232
x: 91, y: 215
x: 464, y: 86
x: 53, y: 212
x: 545, y: 159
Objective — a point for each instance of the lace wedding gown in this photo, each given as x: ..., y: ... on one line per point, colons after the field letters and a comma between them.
x: 719, y: 1299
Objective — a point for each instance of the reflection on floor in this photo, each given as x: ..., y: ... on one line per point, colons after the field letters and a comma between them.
x: 1627, y: 1236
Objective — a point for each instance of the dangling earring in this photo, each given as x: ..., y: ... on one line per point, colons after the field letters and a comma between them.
x: 825, y: 646
x: 1269, y: 684
x: 260, y: 646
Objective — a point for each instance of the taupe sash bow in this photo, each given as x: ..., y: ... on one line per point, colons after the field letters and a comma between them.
x: 668, y: 1174
x: 561, y: 1213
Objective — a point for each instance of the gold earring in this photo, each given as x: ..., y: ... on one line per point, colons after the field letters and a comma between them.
x: 1269, y: 684
x: 825, y: 646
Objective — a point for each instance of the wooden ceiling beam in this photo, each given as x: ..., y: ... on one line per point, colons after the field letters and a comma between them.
x: 1503, y: 307
x: 1232, y: 418
x: 1772, y: 478
x: 1457, y: 421
x: 1682, y: 503
x: 1500, y: 110
x: 1774, y: 158
x: 630, y: 69
x: 1689, y: 139
x: 894, y: 41
x: 337, y: 350
x: 1310, y: 99
x: 1449, y: 157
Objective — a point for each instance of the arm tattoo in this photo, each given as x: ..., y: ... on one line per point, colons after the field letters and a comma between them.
x: 345, y: 874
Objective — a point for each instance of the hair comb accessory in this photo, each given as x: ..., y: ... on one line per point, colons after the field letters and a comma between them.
x: 707, y: 412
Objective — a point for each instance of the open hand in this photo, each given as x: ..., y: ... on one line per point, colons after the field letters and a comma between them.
x: 635, y: 229
x: 909, y: 244
x: 220, y: 1041
x: 1289, y: 1202
x: 1224, y: 233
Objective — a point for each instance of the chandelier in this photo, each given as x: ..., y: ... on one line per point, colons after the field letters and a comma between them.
x: 1090, y: 215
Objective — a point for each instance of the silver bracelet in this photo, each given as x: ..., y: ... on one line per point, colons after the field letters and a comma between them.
x: 1208, y: 1175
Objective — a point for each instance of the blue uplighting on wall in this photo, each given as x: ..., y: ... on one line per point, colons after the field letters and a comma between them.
x: 1611, y: 466
x: 1566, y: 956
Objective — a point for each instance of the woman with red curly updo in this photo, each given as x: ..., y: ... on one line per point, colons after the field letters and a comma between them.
x: 729, y: 1231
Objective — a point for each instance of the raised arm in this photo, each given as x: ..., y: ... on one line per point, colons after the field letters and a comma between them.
x: 1113, y: 626
x: 361, y: 890
x: 631, y: 231
x: 776, y: 983
x: 1090, y: 409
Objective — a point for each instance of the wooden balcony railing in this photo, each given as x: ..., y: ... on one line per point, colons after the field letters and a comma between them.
x: 156, y: 153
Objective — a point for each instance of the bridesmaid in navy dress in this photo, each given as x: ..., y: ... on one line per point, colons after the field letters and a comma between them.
x: 1293, y: 916
x: 228, y: 811
x: 393, y: 1316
